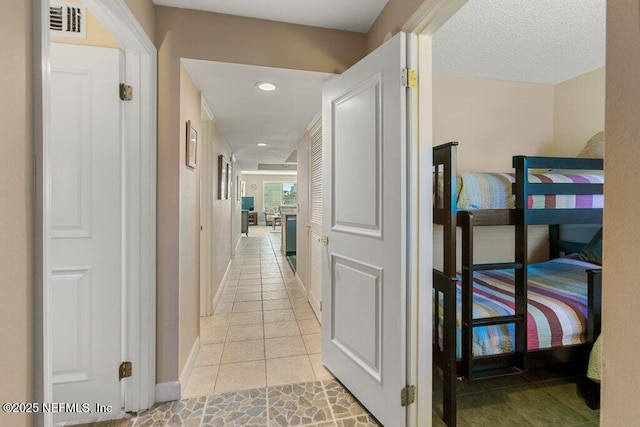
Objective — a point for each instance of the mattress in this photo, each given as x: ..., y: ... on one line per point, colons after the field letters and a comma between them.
x: 483, y: 190
x: 557, y: 307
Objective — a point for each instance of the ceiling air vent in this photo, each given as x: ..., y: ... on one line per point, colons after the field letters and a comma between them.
x: 67, y: 19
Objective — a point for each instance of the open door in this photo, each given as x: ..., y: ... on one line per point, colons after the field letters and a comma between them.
x: 365, y: 261
x: 87, y: 230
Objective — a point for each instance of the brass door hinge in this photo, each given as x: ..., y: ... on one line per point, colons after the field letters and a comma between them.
x: 409, y: 78
x: 408, y: 395
x: 320, y: 305
x: 125, y: 370
x: 126, y: 92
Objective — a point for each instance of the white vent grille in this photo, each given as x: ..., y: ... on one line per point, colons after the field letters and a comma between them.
x: 68, y: 20
x: 315, y: 154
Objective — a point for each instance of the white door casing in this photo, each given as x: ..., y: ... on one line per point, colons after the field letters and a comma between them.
x: 365, y: 204
x: 139, y: 184
x: 86, y: 256
x: 315, y: 217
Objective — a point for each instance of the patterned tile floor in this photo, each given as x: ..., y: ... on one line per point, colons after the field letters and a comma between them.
x: 319, y: 403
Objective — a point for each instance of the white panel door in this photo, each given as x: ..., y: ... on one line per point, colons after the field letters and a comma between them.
x: 86, y: 229
x: 315, y: 218
x: 364, y: 218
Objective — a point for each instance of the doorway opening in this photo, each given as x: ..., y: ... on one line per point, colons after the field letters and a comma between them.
x: 257, y: 329
x: 487, y: 88
x: 95, y: 182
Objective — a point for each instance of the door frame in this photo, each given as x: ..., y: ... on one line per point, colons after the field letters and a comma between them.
x: 426, y: 20
x: 139, y: 244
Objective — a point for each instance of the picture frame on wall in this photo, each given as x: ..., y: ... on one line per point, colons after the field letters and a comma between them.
x: 192, y: 145
x: 223, y: 178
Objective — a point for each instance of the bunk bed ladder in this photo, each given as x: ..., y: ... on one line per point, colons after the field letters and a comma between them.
x: 521, y: 257
x: 497, y: 365
x: 444, y: 282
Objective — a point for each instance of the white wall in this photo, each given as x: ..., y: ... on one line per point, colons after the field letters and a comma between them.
x: 189, y: 226
x: 258, y: 192
x: 221, y: 216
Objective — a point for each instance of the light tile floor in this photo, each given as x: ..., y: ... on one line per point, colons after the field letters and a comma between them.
x: 263, y: 332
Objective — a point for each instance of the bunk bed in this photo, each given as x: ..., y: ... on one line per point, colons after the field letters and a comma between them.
x: 508, y: 339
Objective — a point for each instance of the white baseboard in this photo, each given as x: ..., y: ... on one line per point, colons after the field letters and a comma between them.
x: 191, y: 360
x: 301, y: 285
x: 216, y: 298
x: 166, y: 392
x: 315, y: 305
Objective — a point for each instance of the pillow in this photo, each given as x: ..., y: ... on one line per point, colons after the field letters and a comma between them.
x: 594, y: 148
x: 593, y: 251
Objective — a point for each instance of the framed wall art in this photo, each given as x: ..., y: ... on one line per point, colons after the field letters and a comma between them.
x: 223, y: 178
x: 192, y: 145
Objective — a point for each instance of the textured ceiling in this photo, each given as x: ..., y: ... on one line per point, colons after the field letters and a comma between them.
x: 351, y: 15
x: 247, y: 116
x: 540, y: 41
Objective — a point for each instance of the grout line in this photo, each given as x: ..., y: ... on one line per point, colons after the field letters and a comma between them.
x: 326, y: 396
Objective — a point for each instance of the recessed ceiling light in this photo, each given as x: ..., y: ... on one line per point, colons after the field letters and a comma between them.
x: 267, y: 86
x: 261, y: 144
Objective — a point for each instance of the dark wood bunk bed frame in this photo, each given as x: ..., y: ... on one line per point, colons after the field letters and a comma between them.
x: 445, y: 213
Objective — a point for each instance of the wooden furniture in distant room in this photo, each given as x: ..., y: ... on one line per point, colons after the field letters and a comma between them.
x: 252, y: 218
x: 244, y: 227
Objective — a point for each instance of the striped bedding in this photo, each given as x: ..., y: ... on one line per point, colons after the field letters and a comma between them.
x: 557, y: 307
x: 483, y: 190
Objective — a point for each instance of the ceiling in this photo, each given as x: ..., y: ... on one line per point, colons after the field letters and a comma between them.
x: 350, y: 15
x: 247, y: 116
x: 540, y: 41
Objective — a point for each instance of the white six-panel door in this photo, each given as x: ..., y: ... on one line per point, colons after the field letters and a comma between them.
x: 86, y: 229
x: 364, y: 219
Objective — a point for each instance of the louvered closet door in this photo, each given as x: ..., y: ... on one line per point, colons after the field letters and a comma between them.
x: 315, y: 216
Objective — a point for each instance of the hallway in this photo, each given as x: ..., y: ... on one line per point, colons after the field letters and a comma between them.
x: 260, y: 354
x: 263, y: 331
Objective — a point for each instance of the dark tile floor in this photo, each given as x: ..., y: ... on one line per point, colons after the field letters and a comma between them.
x: 543, y: 397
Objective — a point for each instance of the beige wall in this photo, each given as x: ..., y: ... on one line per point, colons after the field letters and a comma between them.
x: 145, y: 13
x: 492, y: 119
x: 302, y: 234
x: 391, y: 20
x: 189, y: 217
x: 16, y: 209
x: 578, y: 112
x: 226, y: 38
x: 621, y: 299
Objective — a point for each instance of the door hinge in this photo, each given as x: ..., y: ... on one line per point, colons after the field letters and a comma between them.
x: 126, y: 92
x: 408, y: 395
x: 320, y: 305
x: 409, y: 78
x: 125, y: 370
